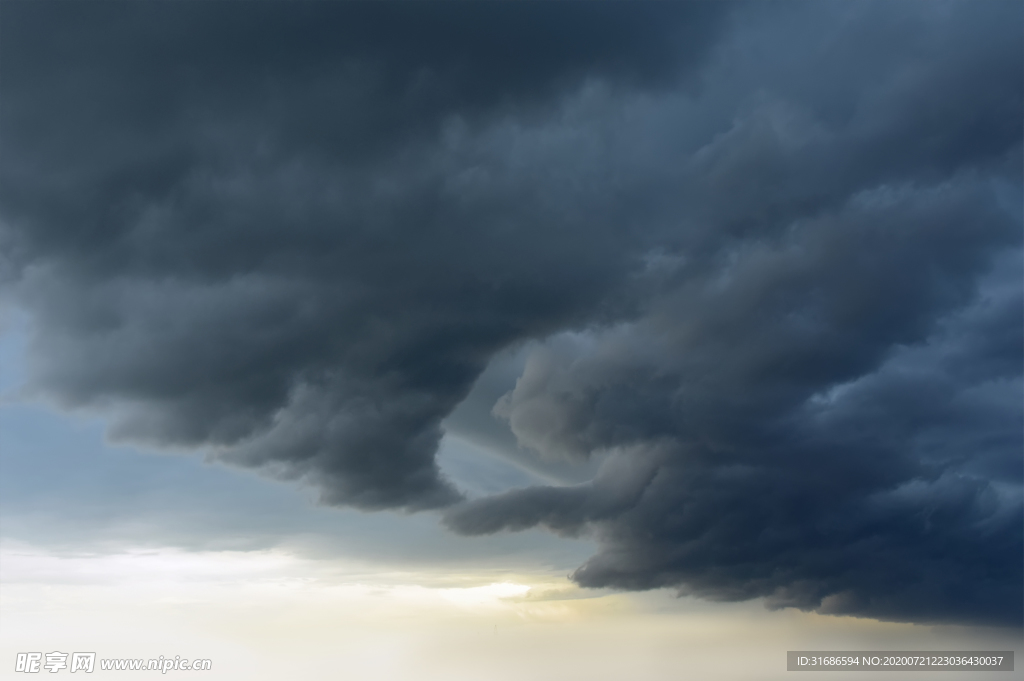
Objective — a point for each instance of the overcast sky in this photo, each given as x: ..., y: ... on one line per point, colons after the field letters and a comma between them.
x: 718, y: 300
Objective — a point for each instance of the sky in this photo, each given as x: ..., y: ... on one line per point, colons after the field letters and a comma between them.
x: 494, y: 340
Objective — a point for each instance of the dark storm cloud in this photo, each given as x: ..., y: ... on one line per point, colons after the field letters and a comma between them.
x: 893, y: 494
x: 270, y: 228
x: 769, y: 256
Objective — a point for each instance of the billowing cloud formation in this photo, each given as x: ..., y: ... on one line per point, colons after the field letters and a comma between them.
x: 770, y: 255
x: 280, y: 230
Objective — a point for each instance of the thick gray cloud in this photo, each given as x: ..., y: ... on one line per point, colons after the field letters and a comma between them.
x: 768, y: 257
x: 891, y: 492
x: 277, y: 230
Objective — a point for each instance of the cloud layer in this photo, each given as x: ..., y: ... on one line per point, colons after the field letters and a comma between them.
x: 768, y: 255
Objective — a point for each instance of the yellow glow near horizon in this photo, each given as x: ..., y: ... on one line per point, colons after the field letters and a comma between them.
x: 265, y: 615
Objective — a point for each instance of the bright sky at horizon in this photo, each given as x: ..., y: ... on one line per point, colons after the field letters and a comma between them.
x: 99, y: 555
